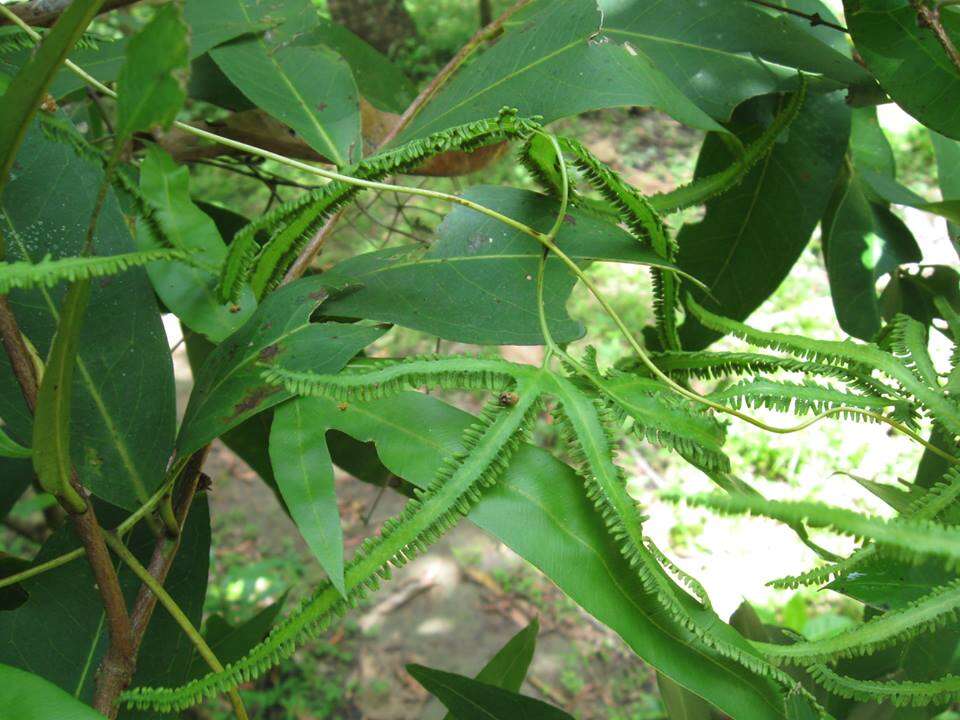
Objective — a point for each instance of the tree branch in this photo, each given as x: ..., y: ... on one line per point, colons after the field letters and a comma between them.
x: 815, y: 19
x: 44, y: 13
x: 929, y: 17
x: 118, y: 663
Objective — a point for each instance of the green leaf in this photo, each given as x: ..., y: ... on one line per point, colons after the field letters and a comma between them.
x: 151, y: 86
x: 213, y: 22
x: 25, y: 92
x: 10, y: 448
x: 743, y: 249
x: 670, y: 56
x: 680, y: 703
x: 539, y: 509
x: 508, y: 668
x: 862, y: 242
x: 947, y: 152
x: 122, y: 431
x: 907, y: 59
x: 229, y: 387
x: 60, y: 631
x: 26, y: 696
x: 477, y: 282
x: 304, y: 473
x: 381, y: 82
x: 17, y: 476
x: 311, y: 89
x: 188, y: 289
x: 869, y: 146
x: 469, y: 699
x: 51, y: 424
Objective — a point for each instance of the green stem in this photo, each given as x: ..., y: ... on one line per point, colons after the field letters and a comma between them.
x: 121, y: 529
x: 181, y: 619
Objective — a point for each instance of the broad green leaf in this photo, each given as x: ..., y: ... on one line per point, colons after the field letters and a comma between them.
x: 508, y: 668
x: 23, y: 96
x: 381, y: 82
x: 862, y: 242
x: 51, y: 423
x: 187, y: 289
x: 229, y: 387
x: 26, y: 696
x: 60, y: 633
x: 539, y: 509
x: 913, y: 292
x: 17, y: 476
x: 151, y: 86
x: 10, y: 448
x: 680, y: 703
x: 744, y: 247
x: 907, y: 59
x: 310, y: 88
x: 304, y: 473
x: 477, y: 282
x: 948, y: 174
x: 671, y: 56
x: 213, y: 22
x: 470, y: 699
x: 869, y: 146
x: 123, y: 415
x: 889, y: 584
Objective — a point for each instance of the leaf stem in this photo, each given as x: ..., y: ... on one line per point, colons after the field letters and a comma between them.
x: 56, y: 562
x: 121, y: 551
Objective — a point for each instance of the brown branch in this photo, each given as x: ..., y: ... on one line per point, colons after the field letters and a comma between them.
x: 309, y: 253
x: 118, y: 664
x: 929, y: 17
x: 815, y: 19
x: 43, y: 13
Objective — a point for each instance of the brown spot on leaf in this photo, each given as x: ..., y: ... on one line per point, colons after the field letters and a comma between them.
x: 252, y: 401
x: 269, y: 353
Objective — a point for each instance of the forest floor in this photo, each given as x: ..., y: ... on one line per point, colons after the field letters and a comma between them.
x: 457, y: 605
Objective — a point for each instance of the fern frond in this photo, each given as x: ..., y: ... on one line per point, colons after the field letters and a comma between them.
x: 908, y: 342
x: 708, y: 365
x: 13, y: 39
x: 292, y: 224
x: 585, y: 426
x: 910, y: 539
x: 701, y: 190
x: 662, y: 418
x: 938, y: 499
x: 931, y: 505
x: 644, y: 223
x: 932, y: 611
x: 900, y: 693
x: 826, y: 573
x: 381, y: 379
x: 489, y: 445
x: 803, y: 398
x: 844, y: 352
x: 48, y: 272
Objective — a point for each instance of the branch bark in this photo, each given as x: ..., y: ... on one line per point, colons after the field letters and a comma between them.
x: 929, y: 17
x: 43, y: 13
x: 118, y: 663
